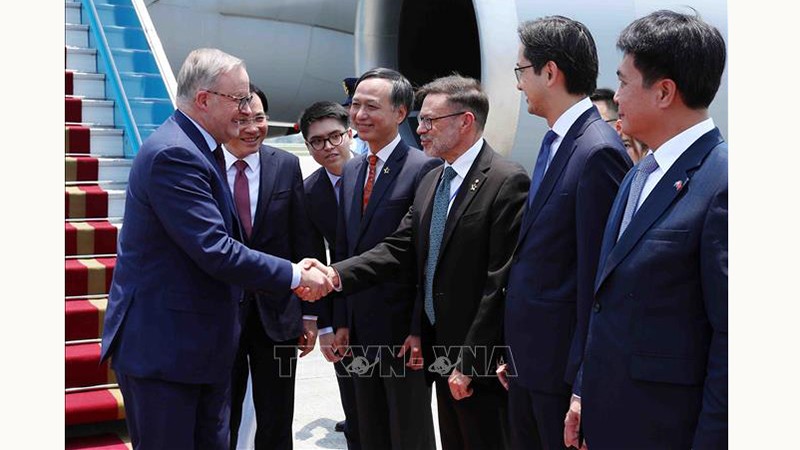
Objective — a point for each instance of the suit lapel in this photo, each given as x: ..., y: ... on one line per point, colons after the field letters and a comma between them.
x: 389, y: 172
x: 268, y: 173
x: 323, y: 202
x: 663, y: 195
x: 357, y: 188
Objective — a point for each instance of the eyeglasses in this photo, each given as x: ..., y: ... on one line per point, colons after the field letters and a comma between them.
x: 258, y: 120
x: 319, y: 143
x: 518, y: 71
x: 428, y: 121
x: 243, y: 101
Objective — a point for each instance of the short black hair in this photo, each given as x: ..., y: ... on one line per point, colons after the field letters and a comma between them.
x: 255, y: 90
x: 402, y: 91
x: 323, y: 110
x: 462, y: 91
x: 679, y: 47
x: 605, y: 95
x: 566, y: 42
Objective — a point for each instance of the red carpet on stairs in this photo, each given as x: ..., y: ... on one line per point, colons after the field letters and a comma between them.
x: 68, y: 82
x: 100, y: 442
x: 73, y: 109
x: 85, y: 201
x: 94, y: 406
x: 84, y: 319
x: 77, y: 139
x: 90, y: 238
x: 81, y: 168
x: 88, y: 276
x: 85, y: 368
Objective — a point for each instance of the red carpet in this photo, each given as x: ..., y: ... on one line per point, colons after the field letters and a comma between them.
x: 81, y: 168
x: 68, y: 82
x: 84, y: 319
x: 101, y: 442
x: 86, y: 201
x: 73, y: 110
x: 88, y: 276
x: 94, y: 406
x: 84, y: 365
x: 90, y: 238
x: 77, y: 139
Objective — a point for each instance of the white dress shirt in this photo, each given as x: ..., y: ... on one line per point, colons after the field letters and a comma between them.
x: 383, y: 156
x: 564, y: 123
x: 461, y: 165
x: 252, y: 172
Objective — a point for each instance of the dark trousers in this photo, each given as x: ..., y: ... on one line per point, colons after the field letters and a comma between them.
x: 347, y: 393
x: 166, y: 415
x: 477, y: 422
x: 394, y: 409
x: 536, y: 418
x: 272, y: 366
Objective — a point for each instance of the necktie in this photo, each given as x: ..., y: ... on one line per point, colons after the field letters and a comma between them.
x: 219, y: 157
x: 441, y: 201
x: 643, y: 170
x: 241, y: 196
x: 337, y: 190
x: 373, y: 160
x: 541, y: 165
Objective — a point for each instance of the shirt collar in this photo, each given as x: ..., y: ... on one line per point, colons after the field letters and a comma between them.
x: 212, y: 143
x: 463, y: 163
x: 333, y: 178
x: 670, y: 151
x: 568, y: 118
x: 253, y: 160
x: 386, y: 152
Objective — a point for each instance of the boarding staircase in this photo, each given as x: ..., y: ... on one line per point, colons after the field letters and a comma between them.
x: 115, y: 96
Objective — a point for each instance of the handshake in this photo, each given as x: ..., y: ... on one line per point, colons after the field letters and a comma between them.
x: 316, y: 280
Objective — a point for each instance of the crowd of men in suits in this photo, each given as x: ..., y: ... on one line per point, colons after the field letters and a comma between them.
x: 584, y: 305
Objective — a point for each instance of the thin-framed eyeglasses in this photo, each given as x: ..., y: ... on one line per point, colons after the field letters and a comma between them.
x: 518, y: 71
x: 428, y: 121
x: 243, y: 101
x: 319, y: 143
x: 260, y: 119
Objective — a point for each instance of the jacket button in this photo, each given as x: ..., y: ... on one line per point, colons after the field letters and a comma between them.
x: 596, y: 307
x: 503, y: 291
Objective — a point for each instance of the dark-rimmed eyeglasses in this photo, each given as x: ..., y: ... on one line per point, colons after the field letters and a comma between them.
x: 260, y: 119
x: 428, y: 121
x: 319, y: 143
x: 518, y: 71
x: 243, y: 101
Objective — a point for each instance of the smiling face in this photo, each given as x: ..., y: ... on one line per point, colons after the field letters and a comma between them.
x: 251, y: 134
x: 331, y: 157
x: 441, y: 140
x: 372, y: 113
x: 638, y: 105
x: 222, y: 113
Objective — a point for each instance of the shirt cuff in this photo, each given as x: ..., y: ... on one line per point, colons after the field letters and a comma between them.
x: 323, y: 331
x: 295, y: 276
x: 314, y: 318
x: 337, y: 287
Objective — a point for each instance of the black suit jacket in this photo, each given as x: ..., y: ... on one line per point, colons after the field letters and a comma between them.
x: 280, y: 228
x: 380, y: 315
x: 479, y: 236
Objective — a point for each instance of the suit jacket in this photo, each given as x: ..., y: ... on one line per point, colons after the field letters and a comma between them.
x: 655, y: 373
x: 380, y: 315
x: 174, y: 299
x: 280, y: 228
x: 480, y: 234
x: 550, y: 284
x: 323, y: 214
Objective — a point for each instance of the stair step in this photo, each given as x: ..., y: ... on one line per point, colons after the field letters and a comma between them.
x: 84, y: 84
x: 77, y: 35
x: 94, y: 406
x: 84, y: 318
x: 107, y: 441
x: 143, y: 85
x: 131, y: 37
x: 88, y: 276
x: 81, y: 59
x: 82, y: 140
x: 119, y: 15
x: 88, y: 168
x: 83, y: 366
x: 98, y: 112
x: 72, y: 12
x: 132, y: 60
x: 91, y: 237
x: 92, y: 201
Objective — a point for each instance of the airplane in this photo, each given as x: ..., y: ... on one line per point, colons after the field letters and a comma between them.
x: 299, y: 51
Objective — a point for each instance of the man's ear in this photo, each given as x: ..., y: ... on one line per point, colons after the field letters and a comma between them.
x: 551, y: 70
x: 201, y: 100
x: 402, y: 113
x: 666, y: 92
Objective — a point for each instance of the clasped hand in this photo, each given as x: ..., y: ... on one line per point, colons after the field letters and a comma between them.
x: 316, y: 280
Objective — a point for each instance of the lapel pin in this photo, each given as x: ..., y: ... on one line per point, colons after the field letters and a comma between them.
x: 679, y: 185
x: 386, y: 170
x: 474, y: 185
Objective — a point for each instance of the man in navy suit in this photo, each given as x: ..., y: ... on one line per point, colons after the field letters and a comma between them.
x: 655, y: 371
x: 378, y: 187
x: 578, y: 170
x: 274, y: 221
x: 172, y: 324
x: 326, y: 129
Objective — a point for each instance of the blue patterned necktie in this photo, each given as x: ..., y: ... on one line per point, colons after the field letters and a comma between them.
x: 438, y: 220
x: 541, y: 164
x: 643, y: 170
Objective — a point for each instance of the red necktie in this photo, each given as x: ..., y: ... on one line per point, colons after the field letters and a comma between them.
x: 370, y: 181
x: 241, y: 196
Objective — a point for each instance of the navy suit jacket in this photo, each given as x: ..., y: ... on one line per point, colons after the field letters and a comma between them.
x: 380, y: 315
x: 280, y: 228
x: 550, y: 285
x: 174, y: 299
x: 323, y: 215
x: 655, y: 373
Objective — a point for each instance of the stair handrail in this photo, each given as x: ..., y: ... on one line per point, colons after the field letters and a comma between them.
x: 158, y: 50
x: 129, y: 122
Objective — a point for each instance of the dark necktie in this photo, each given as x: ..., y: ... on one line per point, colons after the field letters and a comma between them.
x: 241, y: 196
x: 441, y: 201
x: 219, y: 157
x: 373, y: 160
x: 541, y: 165
x: 337, y: 190
x: 643, y: 170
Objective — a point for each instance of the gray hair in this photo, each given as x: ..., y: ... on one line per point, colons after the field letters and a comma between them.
x: 201, y: 69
